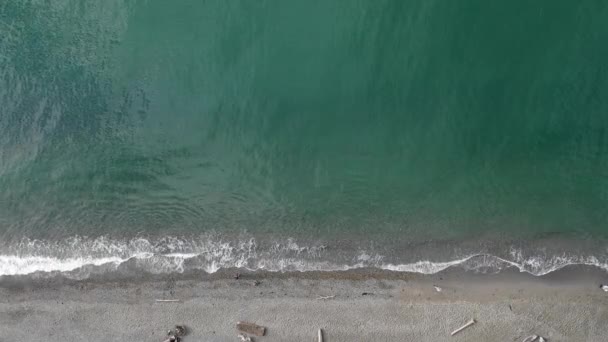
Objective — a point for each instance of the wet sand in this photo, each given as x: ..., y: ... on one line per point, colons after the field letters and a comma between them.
x: 369, y: 305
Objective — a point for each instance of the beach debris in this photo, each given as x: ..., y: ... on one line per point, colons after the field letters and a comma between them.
x: 244, y: 338
x: 251, y: 328
x: 468, y: 324
x: 510, y: 308
x: 236, y: 276
x: 175, y: 333
x: 180, y: 330
x: 320, y: 335
x: 534, y: 338
x: 437, y: 288
x: 256, y: 283
x: 172, y: 338
x: 166, y: 300
x: 367, y: 294
x: 604, y: 287
x: 325, y: 297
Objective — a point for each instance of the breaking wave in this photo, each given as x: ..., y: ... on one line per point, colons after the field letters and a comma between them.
x: 79, y: 257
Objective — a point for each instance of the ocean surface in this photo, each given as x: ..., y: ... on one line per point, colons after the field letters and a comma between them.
x: 302, y: 135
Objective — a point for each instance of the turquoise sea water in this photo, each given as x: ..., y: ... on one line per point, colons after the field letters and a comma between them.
x: 201, y: 126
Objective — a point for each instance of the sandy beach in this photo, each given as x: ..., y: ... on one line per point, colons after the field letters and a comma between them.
x: 366, y: 305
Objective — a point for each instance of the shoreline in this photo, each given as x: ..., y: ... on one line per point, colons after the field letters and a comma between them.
x: 566, y: 305
x: 82, y: 257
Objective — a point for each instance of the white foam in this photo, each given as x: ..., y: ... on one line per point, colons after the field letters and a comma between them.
x: 210, y: 254
x: 15, y: 265
x: 425, y: 266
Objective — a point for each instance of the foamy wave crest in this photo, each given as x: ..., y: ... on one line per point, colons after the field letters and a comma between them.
x: 425, y: 267
x: 14, y: 265
x: 80, y: 257
x: 541, y: 263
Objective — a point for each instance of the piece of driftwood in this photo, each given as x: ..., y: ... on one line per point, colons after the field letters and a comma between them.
x: 251, y: 328
x: 534, y: 338
x: 325, y: 297
x: 468, y: 324
x: 167, y: 300
x: 320, y: 335
x: 437, y: 288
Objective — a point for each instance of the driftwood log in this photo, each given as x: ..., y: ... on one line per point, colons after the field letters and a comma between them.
x: 251, y: 328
